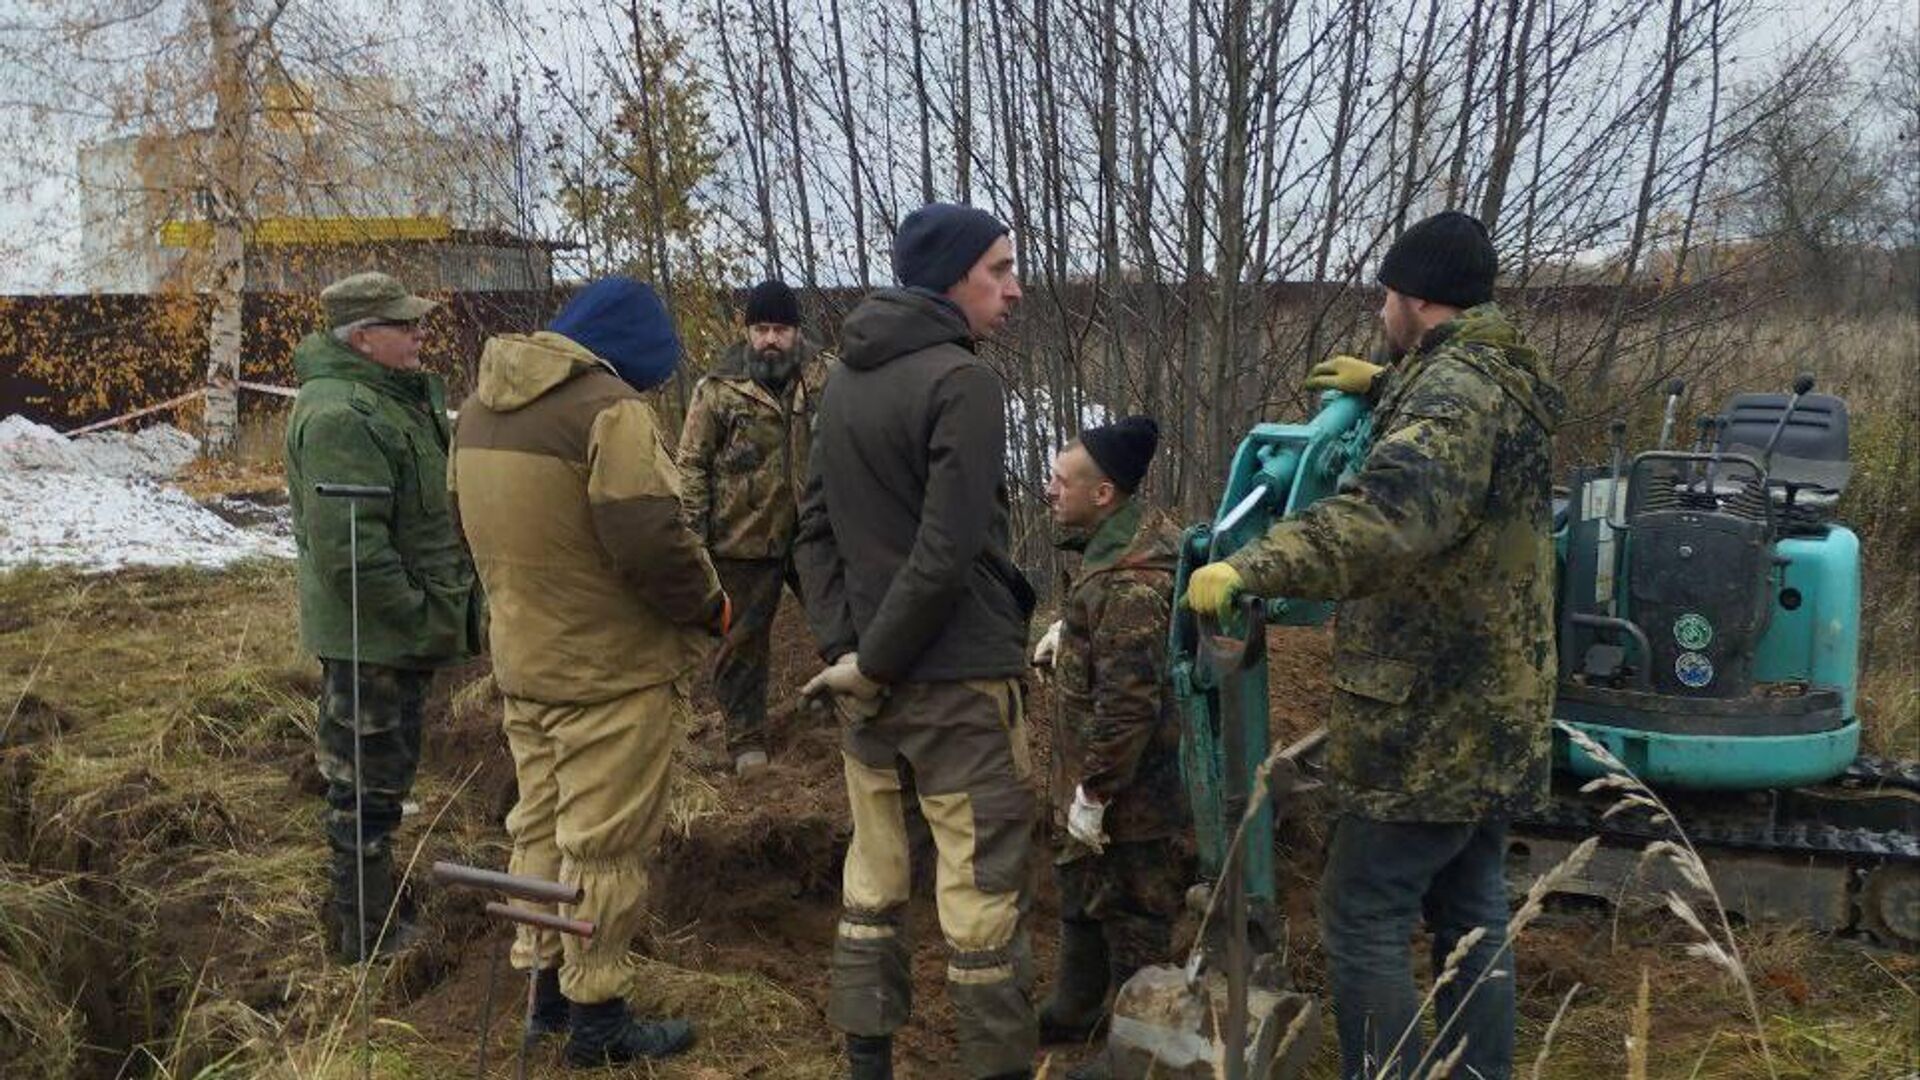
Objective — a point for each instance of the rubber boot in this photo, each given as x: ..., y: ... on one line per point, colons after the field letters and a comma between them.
x: 399, y: 933
x: 550, y: 1012
x: 605, y: 1033
x: 870, y: 1057
x: 1074, y: 1009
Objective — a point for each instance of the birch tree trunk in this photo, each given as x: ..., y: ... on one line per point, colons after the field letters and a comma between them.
x: 226, y: 191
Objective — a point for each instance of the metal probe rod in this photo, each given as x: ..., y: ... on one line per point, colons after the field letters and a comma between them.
x: 353, y: 493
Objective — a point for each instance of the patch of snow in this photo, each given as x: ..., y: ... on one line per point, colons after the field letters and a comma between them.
x: 100, y: 503
x: 157, y: 451
x: 100, y: 523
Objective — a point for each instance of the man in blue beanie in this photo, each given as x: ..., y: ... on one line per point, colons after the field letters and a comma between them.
x: 603, y: 601
x: 922, y: 619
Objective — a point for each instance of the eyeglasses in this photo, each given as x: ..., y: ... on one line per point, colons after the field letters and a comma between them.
x: 396, y: 324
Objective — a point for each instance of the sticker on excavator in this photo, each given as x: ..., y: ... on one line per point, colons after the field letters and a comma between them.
x: 1692, y: 631
x: 1693, y: 670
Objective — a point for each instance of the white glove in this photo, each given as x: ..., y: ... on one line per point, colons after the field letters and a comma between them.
x: 1083, y: 821
x: 1043, y: 653
x: 855, y: 697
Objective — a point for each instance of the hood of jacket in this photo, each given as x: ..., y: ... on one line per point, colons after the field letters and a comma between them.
x: 516, y: 369
x: 1504, y: 356
x: 891, y: 323
x: 623, y: 322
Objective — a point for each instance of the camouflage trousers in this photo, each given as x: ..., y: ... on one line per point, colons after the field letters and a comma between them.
x: 1131, y: 894
x: 962, y: 749
x: 594, y: 783
x: 740, y: 669
x: 391, y: 703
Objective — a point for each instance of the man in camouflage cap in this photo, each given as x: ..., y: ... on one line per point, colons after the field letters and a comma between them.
x: 1122, y: 869
x: 367, y: 413
x: 743, y: 468
x: 1441, y: 554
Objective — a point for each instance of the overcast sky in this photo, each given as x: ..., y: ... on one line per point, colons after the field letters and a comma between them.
x: 39, y: 233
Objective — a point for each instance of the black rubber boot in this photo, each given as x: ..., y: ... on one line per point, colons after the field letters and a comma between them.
x: 870, y: 1057
x: 400, y: 936
x: 550, y: 1012
x: 1074, y: 1009
x: 399, y: 933
x: 605, y: 1033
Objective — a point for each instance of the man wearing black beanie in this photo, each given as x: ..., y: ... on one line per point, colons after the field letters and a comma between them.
x: 1441, y: 554
x: 743, y: 467
x: 1118, y: 797
x: 922, y: 619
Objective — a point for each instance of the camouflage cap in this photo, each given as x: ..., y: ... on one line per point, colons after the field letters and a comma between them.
x: 371, y: 295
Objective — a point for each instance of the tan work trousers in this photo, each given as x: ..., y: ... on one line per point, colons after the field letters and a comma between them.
x: 593, y: 798
x: 963, y: 748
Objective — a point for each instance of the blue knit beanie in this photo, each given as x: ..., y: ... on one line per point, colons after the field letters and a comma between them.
x: 937, y: 244
x: 623, y: 322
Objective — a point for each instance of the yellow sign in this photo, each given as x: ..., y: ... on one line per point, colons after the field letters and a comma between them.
x: 313, y: 232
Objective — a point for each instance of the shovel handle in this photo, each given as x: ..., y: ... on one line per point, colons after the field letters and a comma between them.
x: 579, y: 928
x: 526, y: 888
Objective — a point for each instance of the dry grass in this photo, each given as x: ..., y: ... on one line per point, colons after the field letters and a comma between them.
x: 158, y: 903
x: 165, y: 818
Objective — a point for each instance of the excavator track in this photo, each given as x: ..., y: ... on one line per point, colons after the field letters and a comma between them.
x: 1843, y: 856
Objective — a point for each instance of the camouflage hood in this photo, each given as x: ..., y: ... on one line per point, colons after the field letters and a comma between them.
x: 517, y: 369
x: 1503, y: 355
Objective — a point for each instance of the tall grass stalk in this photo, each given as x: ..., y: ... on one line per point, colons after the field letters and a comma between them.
x: 1717, y: 946
x: 1529, y: 910
x: 1553, y: 1029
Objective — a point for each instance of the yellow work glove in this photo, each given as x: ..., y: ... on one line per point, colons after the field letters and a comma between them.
x: 1347, y: 374
x: 1212, y: 588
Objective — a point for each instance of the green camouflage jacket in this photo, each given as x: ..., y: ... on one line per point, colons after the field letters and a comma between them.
x: 1441, y: 553
x: 355, y: 422
x: 743, y: 457
x: 1116, y: 729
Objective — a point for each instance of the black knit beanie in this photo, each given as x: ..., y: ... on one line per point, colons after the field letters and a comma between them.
x: 1123, y: 449
x: 773, y: 302
x: 937, y: 244
x: 1448, y: 259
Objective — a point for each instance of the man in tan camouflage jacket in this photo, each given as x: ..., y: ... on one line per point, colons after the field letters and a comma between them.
x: 743, y: 467
x: 1123, y: 866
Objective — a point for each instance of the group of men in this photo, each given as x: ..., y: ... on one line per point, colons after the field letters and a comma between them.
x: 601, y: 568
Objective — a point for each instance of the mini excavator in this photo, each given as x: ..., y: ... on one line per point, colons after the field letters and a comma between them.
x: 1708, y: 633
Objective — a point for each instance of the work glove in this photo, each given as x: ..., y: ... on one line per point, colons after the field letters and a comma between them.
x: 855, y: 697
x: 1044, y: 652
x: 1347, y: 374
x: 1212, y: 588
x: 1083, y: 821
